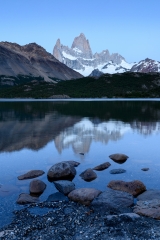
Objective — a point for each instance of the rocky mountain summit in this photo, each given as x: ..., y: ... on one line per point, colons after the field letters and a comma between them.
x: 81, y: 45
x: 147, y: 65
x: 80, y: 58
x: 32, y: 60
x: 96, y: 73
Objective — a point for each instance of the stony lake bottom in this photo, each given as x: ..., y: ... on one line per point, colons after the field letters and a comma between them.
x: 37, y: 134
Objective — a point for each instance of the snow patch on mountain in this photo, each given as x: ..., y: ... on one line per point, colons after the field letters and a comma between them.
x: 77, y: 50
x: 65, y: 55
x: 87, y: 70
x: 110, y: 68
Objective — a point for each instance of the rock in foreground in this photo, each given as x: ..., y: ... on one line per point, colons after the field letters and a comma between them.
x: 88, y: 175
x: 149, y: 195
x: 37, y: 187
x: 112, y: 199
x: 102, y: 166
x: 135, y: 187
x: 84, y: 195
x: 119, y: 157
x: 25, y: 198
x: 61, y: 171
x: 150, y: 208
x: 64, y: 186
x: 31, y: 174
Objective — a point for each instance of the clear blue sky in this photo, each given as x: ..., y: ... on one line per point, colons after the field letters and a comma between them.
x: 129, y: 27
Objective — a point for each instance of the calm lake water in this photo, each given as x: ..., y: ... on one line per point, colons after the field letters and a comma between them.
x: 38, y: 134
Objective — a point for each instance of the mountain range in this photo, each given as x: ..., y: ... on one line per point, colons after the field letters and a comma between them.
x: 80, y: 58
x: 22, y: 64
x: 32, y: 60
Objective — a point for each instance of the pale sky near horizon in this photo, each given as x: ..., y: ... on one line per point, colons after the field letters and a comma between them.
x: 129, y: 27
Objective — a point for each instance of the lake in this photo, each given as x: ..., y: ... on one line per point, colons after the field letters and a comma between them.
x: 38, y: 134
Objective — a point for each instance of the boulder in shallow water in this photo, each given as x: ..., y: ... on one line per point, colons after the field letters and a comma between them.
x: 112, y: 199
x: 135, y: 187
x: 119, y: 157
x: 64, y: 186
x: 61, y: 171
x: 31, y: 174
x: 25, y: 198
x: 102, y: 166
x: 84, y: 195
x: 150, y: 208
x: 88, y: 175
x: 37, y: 186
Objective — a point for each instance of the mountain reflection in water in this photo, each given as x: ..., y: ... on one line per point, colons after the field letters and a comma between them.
x: 33, y: 124
x: 38, y: 134
x: 81, y: 135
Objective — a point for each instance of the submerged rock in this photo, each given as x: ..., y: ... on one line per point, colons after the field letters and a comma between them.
x: 56, y: 197
x: 25, y: 198
x: 37, y: 186
x: 119, y: 157
x: 6, y: 190
x: 88, y: 175
x: 145, y: 169
x: 64, y: 186
x: 102, y: 166
x: 81, y: 153
x: 84, y: 195
x: 117, y: 171
x: 135, y: 187
x: 61, y: 171
x: 31, y: 174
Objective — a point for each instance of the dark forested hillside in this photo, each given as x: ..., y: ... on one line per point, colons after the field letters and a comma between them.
x: 127, y: 85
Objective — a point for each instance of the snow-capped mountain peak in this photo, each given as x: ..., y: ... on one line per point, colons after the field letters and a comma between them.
x: 147, y: 65
x: 80, y: 58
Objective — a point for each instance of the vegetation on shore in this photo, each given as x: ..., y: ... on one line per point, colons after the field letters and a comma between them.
x: 126, y: 85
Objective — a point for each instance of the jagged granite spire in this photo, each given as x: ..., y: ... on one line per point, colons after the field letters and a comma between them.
x: 82, y: 44
x: 57, y: 52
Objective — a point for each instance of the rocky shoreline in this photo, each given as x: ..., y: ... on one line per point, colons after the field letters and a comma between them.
x: 126, y: 210
x: 73, y: 221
